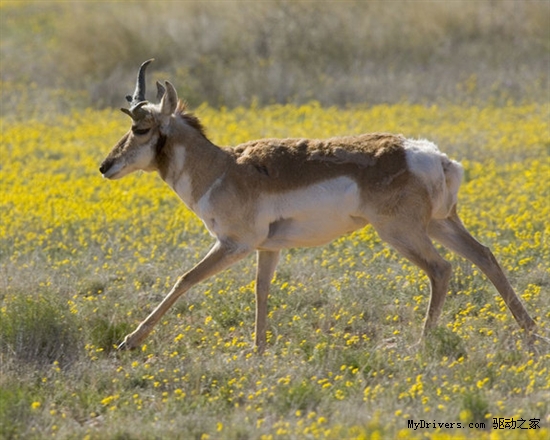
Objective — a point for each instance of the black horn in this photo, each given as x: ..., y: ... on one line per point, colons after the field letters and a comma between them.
x: 139, y: 93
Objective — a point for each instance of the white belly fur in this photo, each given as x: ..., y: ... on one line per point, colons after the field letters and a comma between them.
x: 311, y: 216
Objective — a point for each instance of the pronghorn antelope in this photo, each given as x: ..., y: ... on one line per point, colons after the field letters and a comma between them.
x: 271, y: 194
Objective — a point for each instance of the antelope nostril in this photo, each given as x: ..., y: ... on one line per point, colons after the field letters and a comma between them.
x: 104, y: 167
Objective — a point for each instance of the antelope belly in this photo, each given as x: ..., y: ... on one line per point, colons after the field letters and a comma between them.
x: 311, y: 216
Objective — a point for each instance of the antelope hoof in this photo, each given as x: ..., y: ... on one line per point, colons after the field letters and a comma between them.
x: 535, y: 337
x: 413, y: 348
x: 125, y: 345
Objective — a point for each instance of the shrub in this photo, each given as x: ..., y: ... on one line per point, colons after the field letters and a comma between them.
x: 14, y: 407
x: 107, y: 335
x: 38, y: 329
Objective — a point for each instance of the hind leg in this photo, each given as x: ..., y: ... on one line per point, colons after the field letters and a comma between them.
x: 414, y: 243
x: 452, y: 234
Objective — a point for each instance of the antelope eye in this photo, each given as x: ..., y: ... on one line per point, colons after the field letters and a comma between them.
x: 140, y: 131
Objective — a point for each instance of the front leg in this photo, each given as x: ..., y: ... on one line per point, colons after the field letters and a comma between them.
x: 267, y: 262
x: 222, y: 255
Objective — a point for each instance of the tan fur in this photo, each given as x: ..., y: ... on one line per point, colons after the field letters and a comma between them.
x: 283, y: 164
x: 271, y: 194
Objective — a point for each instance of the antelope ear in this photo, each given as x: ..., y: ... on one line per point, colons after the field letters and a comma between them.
x: 169, y: 100
x: 160, y: 91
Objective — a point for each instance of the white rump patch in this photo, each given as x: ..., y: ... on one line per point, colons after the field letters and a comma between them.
x: 441, y: 175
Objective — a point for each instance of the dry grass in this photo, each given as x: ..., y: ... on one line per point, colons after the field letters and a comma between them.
x: 232, y: 53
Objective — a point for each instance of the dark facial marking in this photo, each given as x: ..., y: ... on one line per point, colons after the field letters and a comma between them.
x: 140, y: 131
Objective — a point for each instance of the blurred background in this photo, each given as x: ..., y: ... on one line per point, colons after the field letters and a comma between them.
x: 55, y: 56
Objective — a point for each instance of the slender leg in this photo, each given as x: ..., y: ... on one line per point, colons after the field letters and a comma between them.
x: 415, y: 244
x: 451, y: 233
x: 267, y: 262
x: 221, y: 256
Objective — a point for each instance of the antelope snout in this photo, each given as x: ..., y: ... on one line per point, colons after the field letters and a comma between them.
x: 105, y: 165
x: 109, y: 168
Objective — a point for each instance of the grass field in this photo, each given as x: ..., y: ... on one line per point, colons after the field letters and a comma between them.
x: 83, y: 260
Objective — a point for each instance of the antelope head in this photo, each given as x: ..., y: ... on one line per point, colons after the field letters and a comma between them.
x: 138, y: 148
